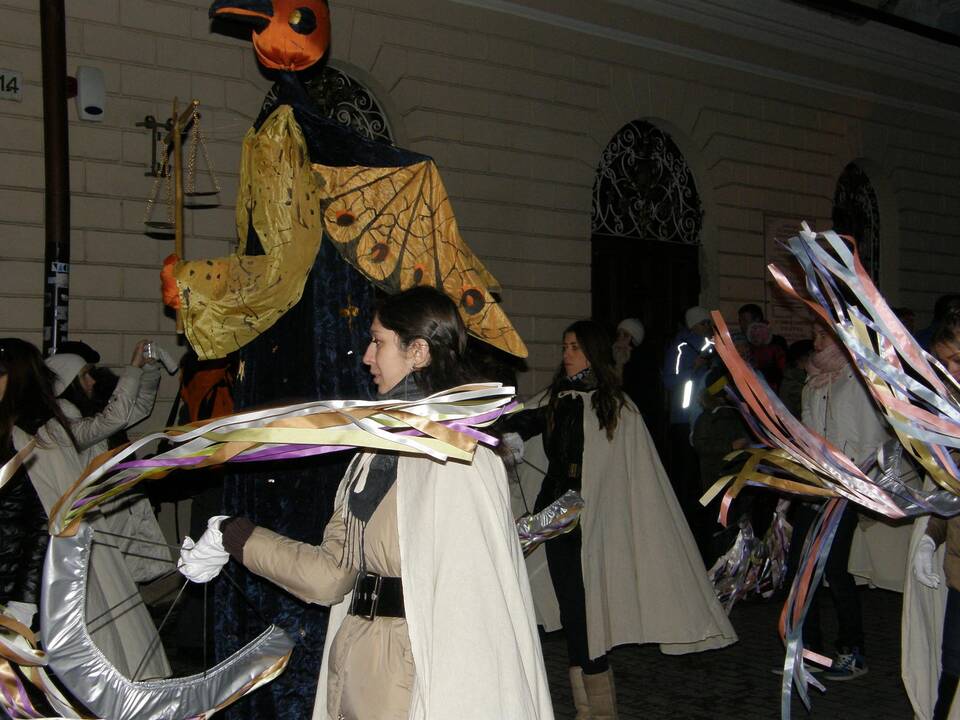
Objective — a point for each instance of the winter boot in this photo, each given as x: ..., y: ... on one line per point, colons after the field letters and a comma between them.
x: 580, y: 701
x: 602, y: 695
x: 945, y: 692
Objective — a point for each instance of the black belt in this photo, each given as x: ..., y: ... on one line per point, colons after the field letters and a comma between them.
x: 377, y: 596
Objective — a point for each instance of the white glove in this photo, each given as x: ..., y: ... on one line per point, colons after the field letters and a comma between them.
x: 201, y: 561
x: 923, y: 569
x: 513, y: 447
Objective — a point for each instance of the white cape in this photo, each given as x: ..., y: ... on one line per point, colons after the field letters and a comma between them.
x: 644, y: 578
x: 879, y: 553
x: 467, y: 598
x: 922, y: 632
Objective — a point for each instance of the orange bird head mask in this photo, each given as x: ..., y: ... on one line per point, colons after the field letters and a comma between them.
x: 287, y: 34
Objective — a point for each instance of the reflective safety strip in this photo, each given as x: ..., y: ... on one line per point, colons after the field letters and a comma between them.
x: 676, y: 367
x: 687, y: 392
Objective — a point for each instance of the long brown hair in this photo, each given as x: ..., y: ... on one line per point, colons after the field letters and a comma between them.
x: 608, y: 398
x: 28, y: 402
x: 947, y: 329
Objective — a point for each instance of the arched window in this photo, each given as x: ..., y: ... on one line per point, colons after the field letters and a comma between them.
x: 345, y: 100
x: 341, y: 98
x: 644, y: 189
x: 856, y: 212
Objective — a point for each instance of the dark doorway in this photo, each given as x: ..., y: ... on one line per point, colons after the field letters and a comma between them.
x: 656, y: 282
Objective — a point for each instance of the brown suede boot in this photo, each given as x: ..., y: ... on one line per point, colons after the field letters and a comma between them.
x: 602, y: 695
x: 580, y: 701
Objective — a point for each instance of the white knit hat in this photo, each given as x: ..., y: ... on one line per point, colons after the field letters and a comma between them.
x: 66, y: 366
x: 633, y: 327
x: 695, y: 315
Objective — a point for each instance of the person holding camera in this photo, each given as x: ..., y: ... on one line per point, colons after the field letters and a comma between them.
x: 94, y: 421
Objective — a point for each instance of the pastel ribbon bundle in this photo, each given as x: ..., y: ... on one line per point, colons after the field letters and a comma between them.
x: 916, y: 394
x: 443, y: 426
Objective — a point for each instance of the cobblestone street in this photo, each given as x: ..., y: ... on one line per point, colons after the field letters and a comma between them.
x: 738, y: 682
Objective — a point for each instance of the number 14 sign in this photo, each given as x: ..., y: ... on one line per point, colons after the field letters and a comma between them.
x: 11, y: 84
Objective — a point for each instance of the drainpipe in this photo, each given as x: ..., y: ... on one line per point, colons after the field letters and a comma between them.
x: 56, y: 260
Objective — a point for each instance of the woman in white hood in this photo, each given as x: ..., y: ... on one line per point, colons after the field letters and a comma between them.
x: 131, y: 402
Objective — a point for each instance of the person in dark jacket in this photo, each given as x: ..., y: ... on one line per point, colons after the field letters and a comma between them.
x: 587, y: 365
x: 27, y: 402
x: 719, y: 430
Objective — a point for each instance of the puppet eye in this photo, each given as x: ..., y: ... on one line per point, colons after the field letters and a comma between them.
x: 303, y: 20
x: 472, y: 301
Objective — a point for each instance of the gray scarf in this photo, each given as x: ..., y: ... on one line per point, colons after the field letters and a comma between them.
x: 380, y: 478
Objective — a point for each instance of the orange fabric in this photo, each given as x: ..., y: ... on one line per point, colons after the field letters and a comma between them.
x: 168, y: 283
x: 207, y: 392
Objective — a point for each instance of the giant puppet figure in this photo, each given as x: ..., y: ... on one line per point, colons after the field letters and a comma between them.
x: 323, y: 216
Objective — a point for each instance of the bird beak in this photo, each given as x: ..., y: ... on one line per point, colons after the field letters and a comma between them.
x: 256, y: 13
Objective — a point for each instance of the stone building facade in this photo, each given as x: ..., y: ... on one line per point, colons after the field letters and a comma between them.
x: 767, y: 101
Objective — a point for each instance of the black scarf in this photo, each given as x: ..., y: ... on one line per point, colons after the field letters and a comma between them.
x: 380, y: 478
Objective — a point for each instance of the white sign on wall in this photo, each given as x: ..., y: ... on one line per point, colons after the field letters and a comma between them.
x: 11, y: 85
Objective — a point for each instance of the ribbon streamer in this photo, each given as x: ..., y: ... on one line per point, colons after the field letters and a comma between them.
x: 915, y: 393
x: 443, y: 426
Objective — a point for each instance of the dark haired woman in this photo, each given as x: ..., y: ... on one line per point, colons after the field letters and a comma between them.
x: 452, y: 632
x: 631, y: 572
x: 118, y: 620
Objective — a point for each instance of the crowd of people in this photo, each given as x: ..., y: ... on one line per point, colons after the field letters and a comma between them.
x: 435, y: 609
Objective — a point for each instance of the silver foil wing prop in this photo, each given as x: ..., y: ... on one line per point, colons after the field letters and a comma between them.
x: 893, y: 478
x: 559, y: 517
x: 92, y: 679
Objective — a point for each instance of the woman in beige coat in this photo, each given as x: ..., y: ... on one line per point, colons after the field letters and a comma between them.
x: 440, y: 622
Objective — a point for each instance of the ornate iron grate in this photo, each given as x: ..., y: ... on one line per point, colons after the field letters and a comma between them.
x: 644, y: 188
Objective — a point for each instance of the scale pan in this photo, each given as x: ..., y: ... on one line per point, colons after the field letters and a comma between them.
x: 201, y: 193
x: 159, y: 224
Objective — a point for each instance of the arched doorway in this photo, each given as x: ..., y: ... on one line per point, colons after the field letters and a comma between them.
x: 856, y: 212
x: 645, y: 243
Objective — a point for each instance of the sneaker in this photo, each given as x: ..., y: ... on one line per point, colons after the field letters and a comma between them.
x: 847, y: 666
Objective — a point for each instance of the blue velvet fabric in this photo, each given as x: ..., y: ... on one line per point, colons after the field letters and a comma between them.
x: 314, y: 351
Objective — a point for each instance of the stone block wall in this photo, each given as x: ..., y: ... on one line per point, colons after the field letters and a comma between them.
x: 516, y: 100
x: 149, y: 52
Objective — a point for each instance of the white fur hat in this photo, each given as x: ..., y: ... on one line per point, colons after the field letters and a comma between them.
x: 633, y: 327
x: 66, y: 366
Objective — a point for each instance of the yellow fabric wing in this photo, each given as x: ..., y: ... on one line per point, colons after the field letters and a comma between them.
x: 396, y: 226
x: 226, y: 302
